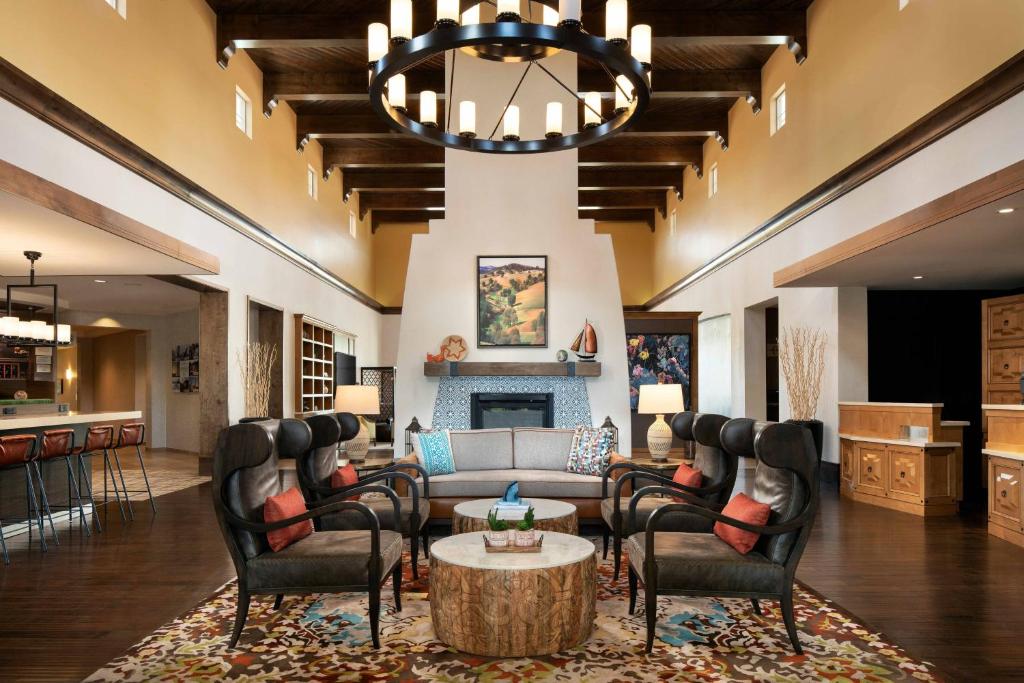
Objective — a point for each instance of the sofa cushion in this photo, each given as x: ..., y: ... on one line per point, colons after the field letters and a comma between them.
x: 482, y: 449
x: 532, y: 483
x: 542, y: 449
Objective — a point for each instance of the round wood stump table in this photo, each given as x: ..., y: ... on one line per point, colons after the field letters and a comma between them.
x: 513, y: 604
x: 548, y: 515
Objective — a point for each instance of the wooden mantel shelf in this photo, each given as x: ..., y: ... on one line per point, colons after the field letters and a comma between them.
x: 512, y: 369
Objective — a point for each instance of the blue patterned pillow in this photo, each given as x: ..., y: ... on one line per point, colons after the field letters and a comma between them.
x: 436, y: 452
x: 591, y: 448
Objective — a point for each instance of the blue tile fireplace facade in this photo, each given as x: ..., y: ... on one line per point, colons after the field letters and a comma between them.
x: 452, y: 404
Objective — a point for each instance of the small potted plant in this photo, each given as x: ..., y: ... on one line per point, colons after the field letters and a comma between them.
x: 497, y: 535
x: 525, y: 535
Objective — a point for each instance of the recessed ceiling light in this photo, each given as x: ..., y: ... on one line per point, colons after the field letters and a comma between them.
x: 102, y: 282
x: 1008, y: 209
x: 919, y: 277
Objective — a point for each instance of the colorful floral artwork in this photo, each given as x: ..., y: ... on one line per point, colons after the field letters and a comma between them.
x: 512, y: 300
x: 657, y: 359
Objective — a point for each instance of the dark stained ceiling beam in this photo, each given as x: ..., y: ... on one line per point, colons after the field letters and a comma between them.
x: 381, y: 217
x: 612, y: 178
x: 396, y: 200
x: 366, y: 180
x: 621, y: 216
x: 673, y: 28
x: 405, y: 156
x: 619, y: 153
x: 688, y: 84
x: 337, y: 86
x: 624, y: 199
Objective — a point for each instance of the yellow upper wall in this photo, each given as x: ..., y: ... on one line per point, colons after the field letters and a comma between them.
x: 153, y: 77
x: 871, y: 71
x: 632, y: 244
x: 391, y: 247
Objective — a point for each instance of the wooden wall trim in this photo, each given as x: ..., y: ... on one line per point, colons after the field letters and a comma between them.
x: 35, y: 98
x: 989, y: 91
x: 983, y: 191
x: 41, y: 192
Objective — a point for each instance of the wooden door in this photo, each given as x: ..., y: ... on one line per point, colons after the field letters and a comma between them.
x: 906, y: 474
x: 1004, y: 492
x: 871, y: 463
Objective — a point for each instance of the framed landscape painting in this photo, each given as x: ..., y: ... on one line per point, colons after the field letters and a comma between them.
x: 512, y: 301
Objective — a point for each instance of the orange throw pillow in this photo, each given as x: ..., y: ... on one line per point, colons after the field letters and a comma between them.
x: 282, y: 506
x: 345, y: 476
x: 745, y: 509
x: 687, y: 476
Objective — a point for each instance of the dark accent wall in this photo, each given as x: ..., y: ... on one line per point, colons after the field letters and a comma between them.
x: 925, y: 347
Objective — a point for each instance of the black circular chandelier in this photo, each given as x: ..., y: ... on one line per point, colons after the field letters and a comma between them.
x: 625, y: 56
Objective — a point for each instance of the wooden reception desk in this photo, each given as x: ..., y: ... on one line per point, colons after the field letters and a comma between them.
x: 901, y: 456
x: 1005, y: 451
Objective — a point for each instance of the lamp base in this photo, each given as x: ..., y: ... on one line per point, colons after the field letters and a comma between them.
x: 659, y: 439
x: 357, y: 448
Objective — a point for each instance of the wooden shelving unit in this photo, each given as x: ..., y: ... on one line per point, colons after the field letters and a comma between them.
x: 314, y: 366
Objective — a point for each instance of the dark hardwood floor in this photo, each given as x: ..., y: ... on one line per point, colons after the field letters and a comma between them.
x: 942, y: 588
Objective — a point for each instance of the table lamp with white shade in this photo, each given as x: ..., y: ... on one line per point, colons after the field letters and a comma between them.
x: 359, y: 400
x: 660, y: 400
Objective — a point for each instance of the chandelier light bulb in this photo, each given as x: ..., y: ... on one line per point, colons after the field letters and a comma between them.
x: 616, y: 23
x: 9, y: 326
x: 471, y: 16
x: 511, y: 124
x: 570, y: 13
x: 623, y: 94
x: 396, y: 92
x: 508, y: 10
x: 401, y: 21
x: 640, y: 44
x: 447, y: 13
x: 554, y: 120
x: 377, y: 38
x: 592, y: 110
x: 428, y: 108
x: 550, y: 16
x: 467, y: 119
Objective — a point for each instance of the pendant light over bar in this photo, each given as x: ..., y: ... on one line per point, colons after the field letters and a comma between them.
x: 513, y: 36
x: 35, y: 332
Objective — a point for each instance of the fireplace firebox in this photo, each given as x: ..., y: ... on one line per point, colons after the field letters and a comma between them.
x: 491, y: 411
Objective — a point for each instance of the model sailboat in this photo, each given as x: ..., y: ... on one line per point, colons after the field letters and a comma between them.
x: 585, y: 345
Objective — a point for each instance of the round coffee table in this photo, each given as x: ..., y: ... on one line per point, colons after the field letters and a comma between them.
x: 513, y: 604
x: 548, y: 515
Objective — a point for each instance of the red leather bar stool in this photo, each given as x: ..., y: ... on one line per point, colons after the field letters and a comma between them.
x: 56, y: 444
x: 128, y: 436
x: 18, y: 450
x: 99, y: 438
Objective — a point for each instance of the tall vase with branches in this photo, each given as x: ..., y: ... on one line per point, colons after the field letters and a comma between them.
x: 802, y: 360
x: 256, y: 362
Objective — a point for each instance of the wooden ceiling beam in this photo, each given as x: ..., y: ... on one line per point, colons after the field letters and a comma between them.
x: 406, y: 156
x: 688, y: 84
x: 367, y: 180
x: 380, y: 217
x: 612, y: 178
x: 621, y: 216
x: 400, y: 200
x: 618, y: 153
x: 337, y: 86
x: 624, y: 199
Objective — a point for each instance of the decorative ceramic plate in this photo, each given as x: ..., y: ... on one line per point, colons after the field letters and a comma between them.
x: 454, y: 348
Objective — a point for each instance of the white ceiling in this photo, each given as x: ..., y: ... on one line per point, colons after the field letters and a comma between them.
x: 981, y: 249
x: 119, y: 294
x: 71, y: 247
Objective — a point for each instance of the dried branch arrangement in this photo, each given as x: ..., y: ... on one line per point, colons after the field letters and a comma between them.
x: 802, y: 358
x: 256, y: 362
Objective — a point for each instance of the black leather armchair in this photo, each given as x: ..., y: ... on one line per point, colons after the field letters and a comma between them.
x: 315, y: 466
x: 245, y: 474
x: 717, y: 465
x: 701, y: 564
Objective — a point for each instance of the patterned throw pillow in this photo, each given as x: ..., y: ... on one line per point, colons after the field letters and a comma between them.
x: 590, y: 450
x: 435, y: 452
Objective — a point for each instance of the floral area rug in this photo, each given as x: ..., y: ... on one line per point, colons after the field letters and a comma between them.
x: 327, y: 638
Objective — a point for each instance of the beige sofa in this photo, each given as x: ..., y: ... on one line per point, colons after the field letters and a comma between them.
x: 488, y: 460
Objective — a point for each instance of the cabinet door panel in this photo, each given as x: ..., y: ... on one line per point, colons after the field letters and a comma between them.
x: 1005, y: 365
x: 1006, y: 321
x: 906, y: 475
x: 871, y: 463
x: 1004, y: 492
x: 847, y: 460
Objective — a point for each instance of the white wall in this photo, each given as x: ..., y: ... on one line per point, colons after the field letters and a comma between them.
x: 714, y: 365
x: 247, y: 269
x: 983, y: 146
x: 512, y: 205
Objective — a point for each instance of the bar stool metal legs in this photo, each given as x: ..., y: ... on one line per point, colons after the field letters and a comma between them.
x: 97, y: 438
x: 44, y: 499
x: 134, y: 434
x: 108, y: 466
x: 19, y: 451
